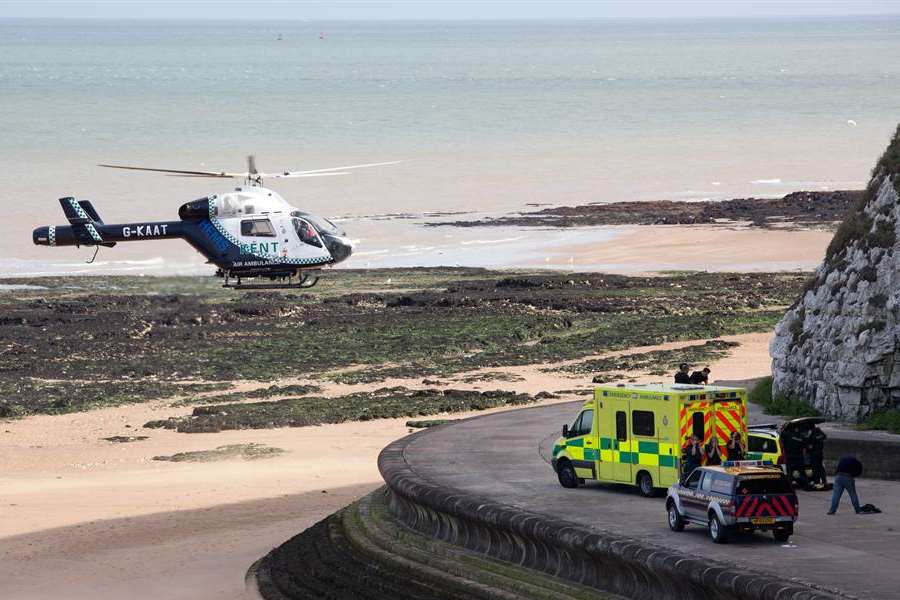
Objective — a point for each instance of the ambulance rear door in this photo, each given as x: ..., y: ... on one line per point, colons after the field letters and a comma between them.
x: 695, y: 417
x: 729, y: 416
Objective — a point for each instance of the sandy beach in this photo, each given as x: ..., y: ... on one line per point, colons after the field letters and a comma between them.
x: 674, y: 248
x: 86, y: 518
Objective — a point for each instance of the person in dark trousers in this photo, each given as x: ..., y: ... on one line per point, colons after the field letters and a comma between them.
x: 713, y: 453
x: 700, y: 377
x: 848, y: 469
x: 734, y: 448
x: 682, y: 376
x: 793, y: 444
x: 693, y: 455
x: 815, y: 453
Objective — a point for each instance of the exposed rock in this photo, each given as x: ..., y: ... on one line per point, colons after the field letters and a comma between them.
x: 839, y: 345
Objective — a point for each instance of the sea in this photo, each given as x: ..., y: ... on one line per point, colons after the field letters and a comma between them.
x: 487, y: 118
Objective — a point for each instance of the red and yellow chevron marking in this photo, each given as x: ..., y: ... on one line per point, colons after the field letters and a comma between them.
x: 729, y: 419
x: 707, y: 427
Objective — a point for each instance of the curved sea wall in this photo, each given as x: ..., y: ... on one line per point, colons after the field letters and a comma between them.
x: 567, y: 550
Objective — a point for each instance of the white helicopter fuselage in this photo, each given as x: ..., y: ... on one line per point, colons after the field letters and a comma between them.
x: 266, y: 228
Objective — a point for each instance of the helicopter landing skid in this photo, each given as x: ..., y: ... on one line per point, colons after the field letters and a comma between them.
x: 305, y: 282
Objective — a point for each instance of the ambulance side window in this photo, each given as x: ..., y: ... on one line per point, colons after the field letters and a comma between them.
x: 583, y: 423
x: 697, y: 425
x: 642, y: 423
x: 757, y: 443
x: 587, y: 422
x: 576, y: 426
x: 621, y: 426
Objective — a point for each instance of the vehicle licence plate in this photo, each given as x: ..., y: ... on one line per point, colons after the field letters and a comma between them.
x: 762, y: 520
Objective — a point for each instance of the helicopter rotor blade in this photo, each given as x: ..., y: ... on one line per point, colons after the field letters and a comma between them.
x: 178, y: 172
x: 363, y: 166
x: 297, y: 175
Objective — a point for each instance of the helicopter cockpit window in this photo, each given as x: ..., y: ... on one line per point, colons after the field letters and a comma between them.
x: 306, y: 233
x: 257, y: 228
x: 320, y: 223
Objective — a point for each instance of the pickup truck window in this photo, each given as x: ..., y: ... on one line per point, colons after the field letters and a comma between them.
x: 773, y: 484
x: 693, y: 479
x: 721, y: 484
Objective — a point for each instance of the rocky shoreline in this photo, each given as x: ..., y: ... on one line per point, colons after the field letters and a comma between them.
x: 795, y: 210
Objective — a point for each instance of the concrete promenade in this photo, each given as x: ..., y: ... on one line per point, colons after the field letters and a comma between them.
x: 504, y: 457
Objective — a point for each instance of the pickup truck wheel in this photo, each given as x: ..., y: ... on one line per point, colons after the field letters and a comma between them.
x: 566, y: 474
x: 676, y: 523
x: 717, y: 531
x: 645, y: 484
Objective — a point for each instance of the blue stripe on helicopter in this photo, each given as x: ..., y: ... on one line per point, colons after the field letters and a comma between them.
x: 215, y: 237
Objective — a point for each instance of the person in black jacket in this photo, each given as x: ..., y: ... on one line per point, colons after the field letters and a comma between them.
x: 713, y: 453
x: 693, y: 455
x: 682, y: 376
x: 815, y: 453
x: 848, y: 469
x: 793, y: 445
x: 700, y: 377
x: 734, y: 448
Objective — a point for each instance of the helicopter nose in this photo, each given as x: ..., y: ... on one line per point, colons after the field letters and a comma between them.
x: 340, y: 248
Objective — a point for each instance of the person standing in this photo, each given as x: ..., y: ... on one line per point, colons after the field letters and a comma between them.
x: 682, y: 376
x: 815, y: 452
x: 848, y: 469
x: 793, y: 444
x: 713, y: 453
x: 693, y: 455
x: 734, y: 447
x: 700, y: 377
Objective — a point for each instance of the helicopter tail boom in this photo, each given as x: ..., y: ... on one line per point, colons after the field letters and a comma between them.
x: 106, y: 235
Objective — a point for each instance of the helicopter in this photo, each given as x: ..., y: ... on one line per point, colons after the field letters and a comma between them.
x: 249, y: 233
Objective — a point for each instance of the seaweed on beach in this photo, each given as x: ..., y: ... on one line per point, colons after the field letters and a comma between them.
x: 384, y: 403
x: 820, y: 209
x: 656, y: 362
x: 227, y: 452
x: 263, y: 392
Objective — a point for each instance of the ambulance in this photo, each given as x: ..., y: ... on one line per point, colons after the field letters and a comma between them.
x: 634, y: 434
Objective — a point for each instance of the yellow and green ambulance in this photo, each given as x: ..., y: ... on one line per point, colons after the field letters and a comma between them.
x: 635, y: 434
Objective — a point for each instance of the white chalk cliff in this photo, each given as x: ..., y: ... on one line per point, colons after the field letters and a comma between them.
x: 838, y: 347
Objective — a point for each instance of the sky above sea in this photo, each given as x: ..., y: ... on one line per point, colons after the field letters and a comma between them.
x: 488, y: 117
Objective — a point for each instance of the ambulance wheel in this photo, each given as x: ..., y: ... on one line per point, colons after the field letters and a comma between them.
x: 645, y: 484
x: 566, y: 474
x: 717, y: 531
x: 782, y: 535
x: 676, y: 523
